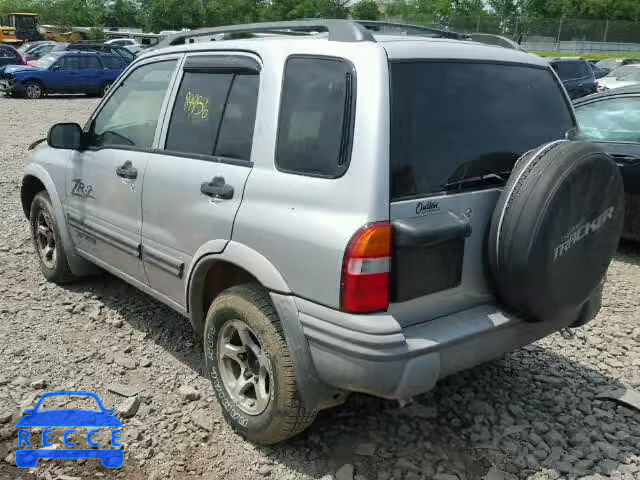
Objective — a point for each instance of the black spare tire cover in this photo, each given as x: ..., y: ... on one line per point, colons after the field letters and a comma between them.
x: 555, y: 228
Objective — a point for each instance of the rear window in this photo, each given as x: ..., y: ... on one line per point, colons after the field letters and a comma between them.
x: 570, y: 70
x: 453, y: 120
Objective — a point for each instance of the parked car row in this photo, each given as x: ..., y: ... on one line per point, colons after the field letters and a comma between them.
x: 68, y: 71
x: 35, y: 50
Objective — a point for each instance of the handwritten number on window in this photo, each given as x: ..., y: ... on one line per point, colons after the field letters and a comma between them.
x: 196, y: 106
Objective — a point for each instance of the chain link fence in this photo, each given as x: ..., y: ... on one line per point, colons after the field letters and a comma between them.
x: 561, y: 35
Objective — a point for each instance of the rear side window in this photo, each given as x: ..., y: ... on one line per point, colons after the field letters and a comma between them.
x: 110, y: 61
x: 454, y: 120
x: 214, y: 115
x: 570, y: 70
x: 316, y: 117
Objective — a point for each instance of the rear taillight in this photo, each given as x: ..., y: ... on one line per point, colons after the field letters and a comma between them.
x: 365, y: 270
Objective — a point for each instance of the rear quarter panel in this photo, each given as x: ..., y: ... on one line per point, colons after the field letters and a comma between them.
x: 302, y: 224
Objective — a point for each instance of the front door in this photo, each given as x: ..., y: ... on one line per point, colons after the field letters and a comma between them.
x: 104, y: 182
x: 64, y: 75
x: 193, y: 189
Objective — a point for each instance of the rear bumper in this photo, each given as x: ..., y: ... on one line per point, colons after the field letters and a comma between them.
x: 374, y: 354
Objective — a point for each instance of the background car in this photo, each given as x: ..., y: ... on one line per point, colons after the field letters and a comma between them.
x: 64, y: 72
x: 576, y: 75
x: 38, y: 51
x: 10, y: 56
x: 127, y: 55
x: 597, y: 71
x: 123, y: 42
x: 612, y: 120
x: 609, y: 64
x: 620, y: 77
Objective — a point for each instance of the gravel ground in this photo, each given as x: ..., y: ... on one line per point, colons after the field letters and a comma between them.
x: 533, y: 414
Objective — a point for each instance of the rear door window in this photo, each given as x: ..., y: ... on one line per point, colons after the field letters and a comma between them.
x: 89, y: 62
x: 316, y: 117
x: 455, y: 120
x: 214, y: 115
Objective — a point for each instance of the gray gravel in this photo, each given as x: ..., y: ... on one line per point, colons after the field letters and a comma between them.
x: 532, y: 414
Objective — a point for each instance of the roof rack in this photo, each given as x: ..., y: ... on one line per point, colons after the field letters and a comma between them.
x: 495, y: 40
x: 338, y: 30
x: 410, y: 29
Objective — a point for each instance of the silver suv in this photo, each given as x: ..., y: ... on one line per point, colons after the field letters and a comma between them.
x: 334, y: 210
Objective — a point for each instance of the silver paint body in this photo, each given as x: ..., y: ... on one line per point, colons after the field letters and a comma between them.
x: 289, y: 231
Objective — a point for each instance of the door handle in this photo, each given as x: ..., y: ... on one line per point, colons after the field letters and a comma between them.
x: 217, y: 188
x: 127, y: 170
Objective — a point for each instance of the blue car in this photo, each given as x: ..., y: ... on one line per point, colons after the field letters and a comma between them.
x: 73, y: 418
x: 63, y: 72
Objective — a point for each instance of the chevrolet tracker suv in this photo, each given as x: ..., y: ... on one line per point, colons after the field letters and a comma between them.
x: 334, y: 211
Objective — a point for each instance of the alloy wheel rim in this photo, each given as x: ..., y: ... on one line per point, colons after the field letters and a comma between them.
x: 244, y: 367
x: 34, y: 91
x: 46, y: 240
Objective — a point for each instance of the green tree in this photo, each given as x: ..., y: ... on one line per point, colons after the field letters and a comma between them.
x: 366, y: 10
x: 122, y: 13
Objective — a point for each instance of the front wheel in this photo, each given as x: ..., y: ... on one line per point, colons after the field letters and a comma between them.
x: 250, y: 366
x: 46, y: 239
x: 33, y: 90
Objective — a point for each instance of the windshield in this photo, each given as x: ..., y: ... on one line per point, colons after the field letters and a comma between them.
x: 609, y: 63
x: 625, y: 73
x: 454, y: 120
x: 46, y: 62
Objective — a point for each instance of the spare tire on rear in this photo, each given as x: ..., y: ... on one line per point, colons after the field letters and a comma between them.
x: 555, y: 228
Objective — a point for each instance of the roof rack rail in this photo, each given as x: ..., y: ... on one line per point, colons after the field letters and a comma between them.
x: 410, y: 29
x: 338, y: 30
x: 495, y: 40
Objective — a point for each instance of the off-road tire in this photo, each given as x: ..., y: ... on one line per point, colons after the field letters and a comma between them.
x: 60, y: 271
x: 284, y: 415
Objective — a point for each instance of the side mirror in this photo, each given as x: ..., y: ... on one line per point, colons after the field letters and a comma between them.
x: 67, y: 136
x: 55, y: 68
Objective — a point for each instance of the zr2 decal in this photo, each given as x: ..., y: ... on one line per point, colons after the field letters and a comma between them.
x: 81, y: 190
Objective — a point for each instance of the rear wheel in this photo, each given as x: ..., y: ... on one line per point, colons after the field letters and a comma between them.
x: 33, y: 90
x: 250, y: 366
x: 105, y: 89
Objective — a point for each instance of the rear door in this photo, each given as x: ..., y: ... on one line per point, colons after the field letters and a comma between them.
x: 193, y: 189
x: 457, y: 129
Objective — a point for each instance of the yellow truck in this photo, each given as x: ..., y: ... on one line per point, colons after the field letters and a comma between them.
x: 23, y: 25
x: 8, y: 35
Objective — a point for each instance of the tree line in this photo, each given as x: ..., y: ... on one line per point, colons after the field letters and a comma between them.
x: 157, y: 15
